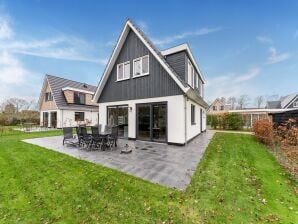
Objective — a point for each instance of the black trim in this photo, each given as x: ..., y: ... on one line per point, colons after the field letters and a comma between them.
x: 174, y: 143
x: 188, y: 141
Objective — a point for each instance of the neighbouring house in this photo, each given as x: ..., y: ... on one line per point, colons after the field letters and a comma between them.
x: 277, y: 110
x: 219, y: 105
x: 289, y: 108
x: 286, y: 102
x: 66, y: 103
x: 152, y: 95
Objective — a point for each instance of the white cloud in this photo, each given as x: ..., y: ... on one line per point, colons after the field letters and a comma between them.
x: 276, y: 57
x: 264, y: 39
x: 231, y: 84
x: 5, y: 29
x: 170, y: 39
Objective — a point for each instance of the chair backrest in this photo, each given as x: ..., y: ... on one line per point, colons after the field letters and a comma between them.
x: 108, y: 128
x: 115, y: 131
x: 94, y: 130
x: 67, y: 132
x: 81, y: 131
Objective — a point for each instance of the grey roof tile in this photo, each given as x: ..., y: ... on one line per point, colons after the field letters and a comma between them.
x: 57, y: 84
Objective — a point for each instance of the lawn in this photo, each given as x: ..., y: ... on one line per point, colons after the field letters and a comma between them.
x: 237, y: 181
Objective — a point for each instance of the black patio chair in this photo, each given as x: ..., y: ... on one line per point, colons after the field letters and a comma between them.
x: 97, y: 139
x: 112, y: 138
x: 68, y: 137
x: 85, y: 139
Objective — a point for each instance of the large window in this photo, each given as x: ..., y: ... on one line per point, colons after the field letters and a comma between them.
x: 193, y: 114
x: 123, y: 71
x: 79, y: 116
x: 48, y: 96
x: 141, y: 66
x: 78, y: 98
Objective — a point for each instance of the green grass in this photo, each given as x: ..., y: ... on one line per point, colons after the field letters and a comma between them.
x: 234, y: 177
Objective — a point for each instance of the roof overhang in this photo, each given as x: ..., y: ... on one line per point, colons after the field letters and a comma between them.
x: 191, y: 94
x: 127, y: 27
x: 184, y: 47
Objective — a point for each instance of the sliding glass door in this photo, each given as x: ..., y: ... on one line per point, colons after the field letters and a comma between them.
x: 118, y: 116
x: 152, y: 122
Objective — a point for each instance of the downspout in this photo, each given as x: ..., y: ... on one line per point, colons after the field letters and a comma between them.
x: 62, y: 119
x: 185, y: 119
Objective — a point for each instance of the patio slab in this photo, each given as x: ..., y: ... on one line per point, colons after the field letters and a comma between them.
x: 168, y: 165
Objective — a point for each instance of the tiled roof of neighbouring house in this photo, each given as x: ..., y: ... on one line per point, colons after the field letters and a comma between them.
x: 274, y: 104
x: 57, y: 84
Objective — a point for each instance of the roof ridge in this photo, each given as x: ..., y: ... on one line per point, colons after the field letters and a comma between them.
x: 47, y: 75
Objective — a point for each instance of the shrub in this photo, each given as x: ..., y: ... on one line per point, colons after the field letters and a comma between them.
x: 263, y: 130
x: 232, y: 121
x: 212, y: 120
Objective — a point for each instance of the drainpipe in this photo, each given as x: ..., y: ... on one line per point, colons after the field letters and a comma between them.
x: 62, y: 119
x: 185, y: 119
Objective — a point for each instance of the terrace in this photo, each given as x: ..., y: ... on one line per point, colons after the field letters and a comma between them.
x: 168, y: 165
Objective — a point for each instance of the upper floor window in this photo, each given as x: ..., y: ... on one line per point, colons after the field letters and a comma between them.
x: 214, y: 108
x: 48, y: 96
x: 78, y: 98
x: 141, y: 66
x: 123, y: 71
x: 295, y: 104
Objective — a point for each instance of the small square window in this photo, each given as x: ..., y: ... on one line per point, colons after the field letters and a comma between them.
x: 79, y: 116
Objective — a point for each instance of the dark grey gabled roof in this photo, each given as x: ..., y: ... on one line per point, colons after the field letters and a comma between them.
x: 273, y: 104
x: 57, y: 84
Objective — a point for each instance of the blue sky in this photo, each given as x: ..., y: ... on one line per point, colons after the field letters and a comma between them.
x: 242, y: 47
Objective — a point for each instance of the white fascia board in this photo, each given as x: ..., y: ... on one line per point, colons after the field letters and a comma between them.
x: 259, y: 110
x: 184, y: 47
x: 77, y: 90
x: 116, y: 52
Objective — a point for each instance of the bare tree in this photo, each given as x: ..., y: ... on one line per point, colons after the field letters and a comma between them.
x: 242, y: 101
x: 232, y: 102
x: 20, y: 104
x: 259, y: 101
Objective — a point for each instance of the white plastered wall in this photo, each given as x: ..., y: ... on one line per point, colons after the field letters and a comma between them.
x: 176, y: 116
x: 195, y: 129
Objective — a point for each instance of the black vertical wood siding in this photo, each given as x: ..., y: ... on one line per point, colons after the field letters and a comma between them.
x: 178, y: 62
x: 157, y: 84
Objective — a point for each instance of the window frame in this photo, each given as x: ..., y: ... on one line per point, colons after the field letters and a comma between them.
x: 214, y: 108
x: 222, y: 107
x: 192, y: 114
x: 123, y: 70
x: 141, y: 61
x: 84, y: 103
x: 80, y: 112
x: 48, y: 96
x: 295, y: 104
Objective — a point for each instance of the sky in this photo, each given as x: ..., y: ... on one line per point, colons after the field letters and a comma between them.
x: 242, y: 47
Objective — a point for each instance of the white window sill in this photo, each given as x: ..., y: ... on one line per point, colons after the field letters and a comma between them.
x: 137, y: 76
x: 119, y: 80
